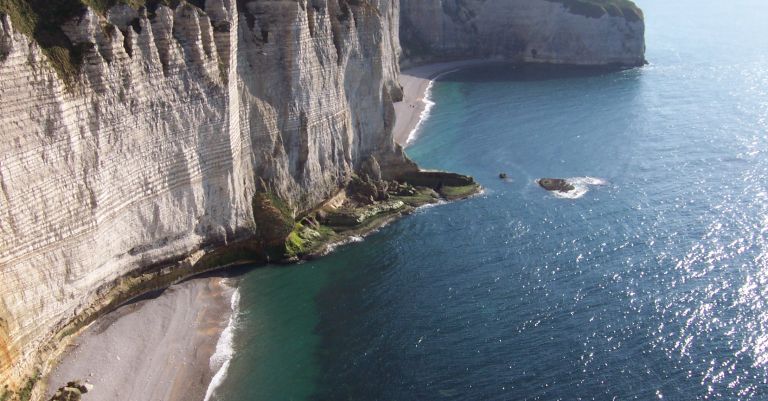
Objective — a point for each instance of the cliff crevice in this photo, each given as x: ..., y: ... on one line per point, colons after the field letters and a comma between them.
x: 151, y: 144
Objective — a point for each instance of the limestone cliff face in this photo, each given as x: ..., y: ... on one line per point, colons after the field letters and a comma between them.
x: 158, y: 146
x: 178, y: 118
x: 544, y: 31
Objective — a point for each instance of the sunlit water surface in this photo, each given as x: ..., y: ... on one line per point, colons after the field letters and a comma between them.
x: 651, y: 285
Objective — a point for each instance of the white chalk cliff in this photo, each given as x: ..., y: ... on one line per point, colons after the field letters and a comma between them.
x: 152, y: 154
x: 542, y: 31
x: 158, y: 148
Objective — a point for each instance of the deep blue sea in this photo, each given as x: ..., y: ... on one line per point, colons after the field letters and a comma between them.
x: 652, y: 285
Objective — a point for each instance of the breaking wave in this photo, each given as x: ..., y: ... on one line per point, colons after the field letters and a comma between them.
x: 581, y: 187
x: 224, y: 348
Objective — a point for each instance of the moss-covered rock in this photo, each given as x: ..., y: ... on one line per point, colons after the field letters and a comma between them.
x: 451, y: 186
x: 273, y: 218
x: 459, y: 192
x: 415, y: 197
x: 355, y: 216
x: 308, y: 239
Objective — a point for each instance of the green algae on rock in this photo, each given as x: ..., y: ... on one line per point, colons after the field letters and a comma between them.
x: 355, y: 212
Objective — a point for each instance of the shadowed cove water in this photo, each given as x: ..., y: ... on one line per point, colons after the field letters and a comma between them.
x: 652, y: 284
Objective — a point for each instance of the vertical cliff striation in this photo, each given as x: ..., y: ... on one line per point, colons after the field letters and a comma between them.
x: 140, y: 138
x: 134, y: 135
x: 577, y: 32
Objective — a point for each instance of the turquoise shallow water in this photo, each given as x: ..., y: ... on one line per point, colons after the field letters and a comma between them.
x: 653, y: 285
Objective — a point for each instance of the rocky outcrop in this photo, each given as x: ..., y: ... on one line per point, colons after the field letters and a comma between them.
x: 539, y: 31
x: 555, y: 184
x: 73, y: 391
x: 155, y: 150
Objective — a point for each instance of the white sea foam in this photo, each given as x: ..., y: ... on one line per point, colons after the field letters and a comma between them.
x: 224, y: 348
x: 355, y: 238
x: 428, y: 105
x: 349, y: 240
x: 581, y: 187
x: 431, y: 205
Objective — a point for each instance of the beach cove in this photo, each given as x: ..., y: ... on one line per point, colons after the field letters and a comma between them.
x: 641, y: 288
x: 186, y: 353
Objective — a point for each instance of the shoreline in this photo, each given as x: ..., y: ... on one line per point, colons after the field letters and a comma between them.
x: 219, y: 361
x: 415, y: 107
x: 169, y: 357
x: 183, y: 348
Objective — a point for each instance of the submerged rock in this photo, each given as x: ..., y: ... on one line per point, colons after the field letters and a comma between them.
x: 556, y: 184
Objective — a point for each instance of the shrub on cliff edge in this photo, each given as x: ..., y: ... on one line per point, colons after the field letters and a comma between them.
x: 41, y: 20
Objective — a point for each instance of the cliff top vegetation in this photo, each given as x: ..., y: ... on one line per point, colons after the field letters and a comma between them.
x: 41, y: 20
x: 598, y: 8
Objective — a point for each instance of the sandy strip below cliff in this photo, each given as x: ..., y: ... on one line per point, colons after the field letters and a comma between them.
x: 415, y: 82
x: 152, y: 350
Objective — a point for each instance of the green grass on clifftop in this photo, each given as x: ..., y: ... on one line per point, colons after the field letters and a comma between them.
x: 102, y: 6
x: 41, y: 20
x: 598, y: 8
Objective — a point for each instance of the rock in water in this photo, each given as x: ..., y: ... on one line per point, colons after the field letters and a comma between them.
x: 73, y: 391
x: 556, y: 184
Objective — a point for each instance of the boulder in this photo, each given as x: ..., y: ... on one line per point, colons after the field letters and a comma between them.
x: 556, y: 184
x: 73, y: 391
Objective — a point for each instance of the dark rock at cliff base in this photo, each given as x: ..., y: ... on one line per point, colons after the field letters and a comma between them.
x: 73, y: 391
x: 555, y: 184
